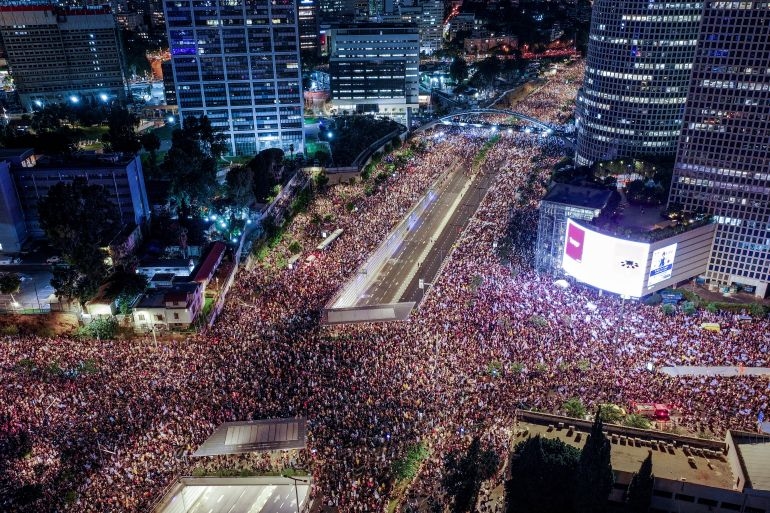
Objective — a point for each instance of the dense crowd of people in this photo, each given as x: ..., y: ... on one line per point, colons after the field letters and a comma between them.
x: 105, y: 426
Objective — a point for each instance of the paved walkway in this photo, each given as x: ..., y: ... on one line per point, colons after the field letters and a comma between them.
x: 715, y: 371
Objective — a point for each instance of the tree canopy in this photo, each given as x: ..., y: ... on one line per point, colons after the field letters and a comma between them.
x: 639, y: 493
x: 191, y: 162
x: 542, y: 473
x: 76, y: 215
x: 78, y: 219
x: 465, y: 473
x: 594, y: 477
x: 121, y: 136
x: 458, y: 70
x: 9, y: 283
x: 240, y: 186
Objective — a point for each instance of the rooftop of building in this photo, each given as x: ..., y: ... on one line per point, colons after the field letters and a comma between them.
x: 15, y: 153
x: 579, y: 195
x: 368, y: 26
x: 84, y: 159
x: 677, y: 458
x: 157, y: 298
x: 754, y: 454
x: 209, y: 262
x: 163, y: 277
x: 165, y: 262
x: 51, y: 5
x: 25, y: 158
x: 151, y: 300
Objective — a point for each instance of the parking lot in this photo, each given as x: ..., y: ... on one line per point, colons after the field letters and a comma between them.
x: 35, y: 267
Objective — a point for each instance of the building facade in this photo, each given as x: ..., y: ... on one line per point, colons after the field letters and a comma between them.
x: 121, y: 177
x: 723, y: 160
x: 169, y: 88
x: 238, y: 63
x: 429, y: 17
x: 374, y: 69
x: 637, y: 73
x: 61, y: 54
x: 309, y: 27
x: 13, y: 229
x: 168, y: 308
x: 564, y: 202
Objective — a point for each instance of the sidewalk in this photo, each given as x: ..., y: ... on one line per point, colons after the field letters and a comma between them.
x: 715, y: 371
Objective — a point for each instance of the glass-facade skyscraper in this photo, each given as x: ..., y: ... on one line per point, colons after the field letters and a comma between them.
x: 237, y: 61
x: 637, y: 72
x: 723, y: 160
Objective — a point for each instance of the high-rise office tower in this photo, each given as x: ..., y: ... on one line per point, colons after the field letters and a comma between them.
x: 374, y: 68
x: 637, y: 71
x: 238, y: 63
x: 309, y: 28
x: 723, y: 160
x: 429, y: 17
x: 62, y: 54
x: 169, y: 88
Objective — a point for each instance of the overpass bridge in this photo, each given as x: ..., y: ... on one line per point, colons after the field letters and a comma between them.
x: 479, y: 112
x: 451, y: 119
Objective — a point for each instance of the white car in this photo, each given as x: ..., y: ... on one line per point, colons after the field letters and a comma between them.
x: 53, y: 260
x: 6, y: 260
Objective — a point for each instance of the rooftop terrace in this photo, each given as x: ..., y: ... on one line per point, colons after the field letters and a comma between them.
x: 674, y: 458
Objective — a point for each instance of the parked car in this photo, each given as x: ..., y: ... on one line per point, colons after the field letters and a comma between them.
x: 9, y: 260
x: 53, y: 260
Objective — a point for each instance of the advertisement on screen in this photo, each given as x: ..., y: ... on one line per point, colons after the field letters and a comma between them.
x: 662, y: 264
x: 605, y: 262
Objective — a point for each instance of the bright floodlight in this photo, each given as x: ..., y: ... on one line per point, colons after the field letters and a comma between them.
x: 104, y: 97
x: 74, y: 99
x: 171, y: 119
x: 329, y: 135
x: 38, y: 103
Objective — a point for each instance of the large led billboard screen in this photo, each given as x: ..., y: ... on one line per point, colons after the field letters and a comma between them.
x: 662, y: 264
x: 608, y: 263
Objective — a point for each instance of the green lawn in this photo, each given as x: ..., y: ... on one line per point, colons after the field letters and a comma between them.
x: 93, y: 132
x: 164, y: 132
x: 207, y: 305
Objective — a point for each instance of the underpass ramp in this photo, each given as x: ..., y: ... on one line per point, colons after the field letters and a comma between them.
x: 367, y: 313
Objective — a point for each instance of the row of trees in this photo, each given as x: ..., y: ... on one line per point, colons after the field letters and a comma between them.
x: 56, y: 129
x: 550, y: 476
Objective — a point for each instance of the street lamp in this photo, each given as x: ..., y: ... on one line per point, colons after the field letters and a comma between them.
x: 296, y: 493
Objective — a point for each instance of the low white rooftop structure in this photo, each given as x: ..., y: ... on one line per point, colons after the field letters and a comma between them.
x: 236, y: 495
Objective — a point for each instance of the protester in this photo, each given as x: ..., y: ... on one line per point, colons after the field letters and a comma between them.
x: 105, y: 426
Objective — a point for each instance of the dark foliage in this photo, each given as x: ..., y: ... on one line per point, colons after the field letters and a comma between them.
x: 542, y: 473
x: 464, y: 474
x: 594, y: 477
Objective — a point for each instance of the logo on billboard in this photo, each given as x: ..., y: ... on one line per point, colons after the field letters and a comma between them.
x: 575, y: 238
x: 629, y: 264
